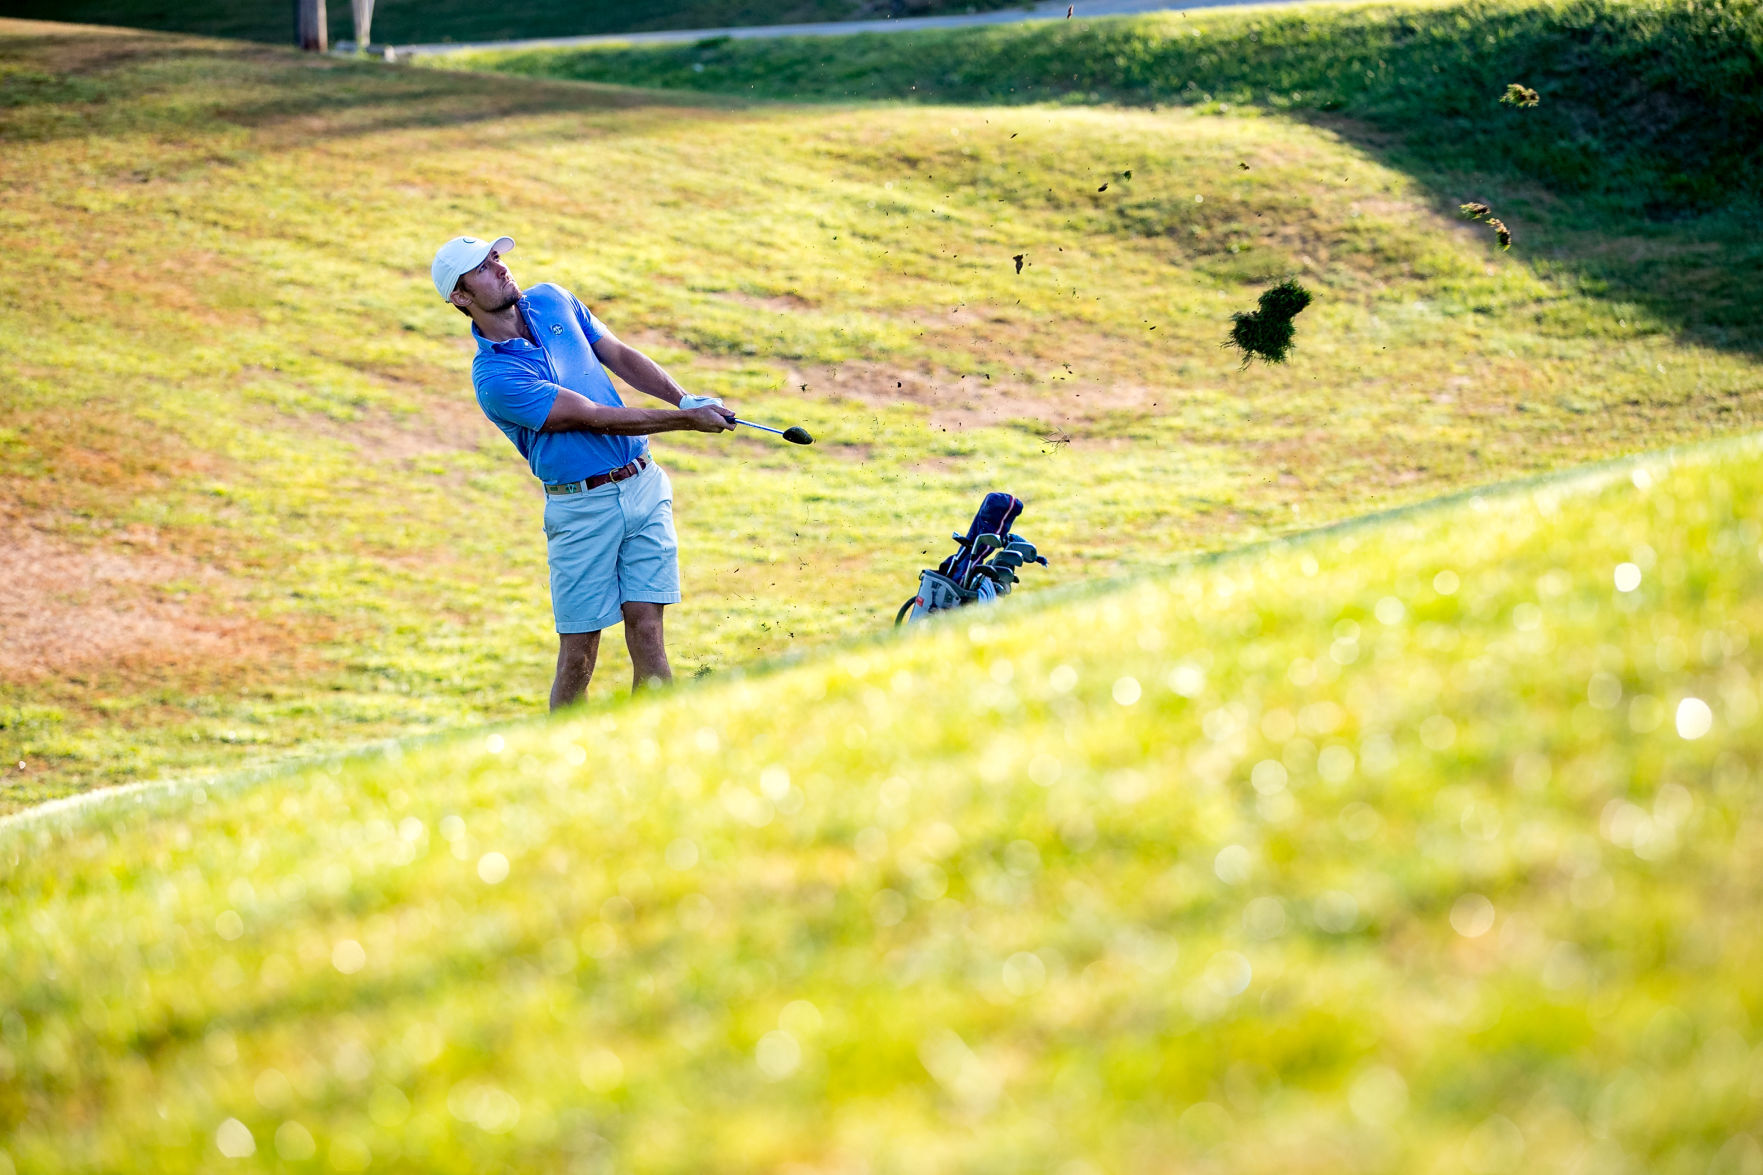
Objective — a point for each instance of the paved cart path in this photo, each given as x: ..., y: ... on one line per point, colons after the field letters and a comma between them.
x: 1048, y: 10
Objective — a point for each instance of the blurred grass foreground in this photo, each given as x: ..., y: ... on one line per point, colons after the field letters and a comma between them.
x: 1429, y: 843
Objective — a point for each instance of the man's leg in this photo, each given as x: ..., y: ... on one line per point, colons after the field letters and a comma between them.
x: 647, y: 642
x: 576, y: 653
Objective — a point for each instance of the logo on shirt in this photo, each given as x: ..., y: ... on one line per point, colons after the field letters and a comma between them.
x: 556, y: 328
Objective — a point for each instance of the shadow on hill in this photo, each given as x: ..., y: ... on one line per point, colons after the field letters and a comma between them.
x: 88, y: 82
x: 1639, y: 171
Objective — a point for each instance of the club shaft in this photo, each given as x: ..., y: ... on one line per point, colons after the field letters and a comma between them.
x: 765, y: 427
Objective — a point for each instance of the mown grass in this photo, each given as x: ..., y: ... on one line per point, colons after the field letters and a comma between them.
x: 1647, y: 142
x: 223, y: 352
x: 1428, y: 844
x: 403, y: 22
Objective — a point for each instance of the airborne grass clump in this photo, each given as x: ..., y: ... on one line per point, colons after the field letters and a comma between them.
x: 1517, y: 95
x: 1267, y: 333
x: 1475, y: 210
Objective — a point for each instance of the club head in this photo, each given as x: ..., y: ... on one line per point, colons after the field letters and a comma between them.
x: 1007, y: 559
x: 960, y: 539
x: 987, y: 542
x: 1022, y: 547
x: 797, y: 435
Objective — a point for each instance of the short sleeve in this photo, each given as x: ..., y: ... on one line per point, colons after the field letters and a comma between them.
x: 520, y: 400
x: 591, y: 326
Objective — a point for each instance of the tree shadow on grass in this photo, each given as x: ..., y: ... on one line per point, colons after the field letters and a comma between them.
x: 85, y: 84
x: 1639, y: 172
x: 1692, y: 269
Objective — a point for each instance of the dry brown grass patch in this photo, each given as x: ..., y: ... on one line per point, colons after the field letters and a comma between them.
x: 120, y: 606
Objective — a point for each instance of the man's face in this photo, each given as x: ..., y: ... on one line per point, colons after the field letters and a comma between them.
x: 489, y: 286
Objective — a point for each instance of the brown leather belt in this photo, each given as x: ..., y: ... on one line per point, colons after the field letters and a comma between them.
x: 622, y: 473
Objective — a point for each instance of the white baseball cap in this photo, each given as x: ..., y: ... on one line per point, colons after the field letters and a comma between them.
x: 460, y: 256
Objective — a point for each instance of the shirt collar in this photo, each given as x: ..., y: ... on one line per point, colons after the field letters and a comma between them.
x: 485, y: 346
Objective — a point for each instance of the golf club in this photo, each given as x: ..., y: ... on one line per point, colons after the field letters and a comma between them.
x: 984, y: 575
x: 795, y: 434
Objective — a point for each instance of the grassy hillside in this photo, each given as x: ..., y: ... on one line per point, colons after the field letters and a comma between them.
x: 1639, y: 169
x: 249, y: 506
x: 1429, y: 844
x: 402, y: 22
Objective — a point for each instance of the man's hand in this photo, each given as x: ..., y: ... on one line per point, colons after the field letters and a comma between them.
x: 710, y: 418
x: 689, y: 402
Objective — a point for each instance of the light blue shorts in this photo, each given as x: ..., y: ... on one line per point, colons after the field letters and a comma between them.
x: 611, y: 546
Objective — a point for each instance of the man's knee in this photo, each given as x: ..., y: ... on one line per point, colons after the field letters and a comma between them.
x: 577, y: 646
x: 643, y: 618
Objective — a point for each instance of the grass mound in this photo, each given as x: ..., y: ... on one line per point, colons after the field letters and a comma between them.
x: 1422, y: 844
x: 1645, y: 99
x: 1647, y: 138
x: 273, y: 520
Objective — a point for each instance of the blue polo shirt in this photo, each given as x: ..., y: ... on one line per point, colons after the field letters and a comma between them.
x: 517, y: 382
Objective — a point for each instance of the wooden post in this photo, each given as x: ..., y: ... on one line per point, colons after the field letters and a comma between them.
x: 363, y: 12
x: 309, y: 30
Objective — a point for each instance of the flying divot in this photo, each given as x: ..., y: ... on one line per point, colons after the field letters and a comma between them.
x: 1476, y: 210
x: 1266, y: 333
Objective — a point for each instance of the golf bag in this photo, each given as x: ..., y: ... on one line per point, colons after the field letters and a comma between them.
x: 983, y: 566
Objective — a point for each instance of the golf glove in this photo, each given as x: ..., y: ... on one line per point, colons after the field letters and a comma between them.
x: 687, y: 403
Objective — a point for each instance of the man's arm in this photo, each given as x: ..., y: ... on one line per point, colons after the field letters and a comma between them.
x: 574, y: 412
x: 640, y: 371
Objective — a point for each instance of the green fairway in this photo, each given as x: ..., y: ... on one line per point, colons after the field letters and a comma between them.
x: 1426, y: 844
x: 253, y: 510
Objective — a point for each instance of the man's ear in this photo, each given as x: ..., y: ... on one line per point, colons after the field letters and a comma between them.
x: 460, y: 299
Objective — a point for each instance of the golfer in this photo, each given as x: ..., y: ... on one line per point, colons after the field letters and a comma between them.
x: 540, y: 375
